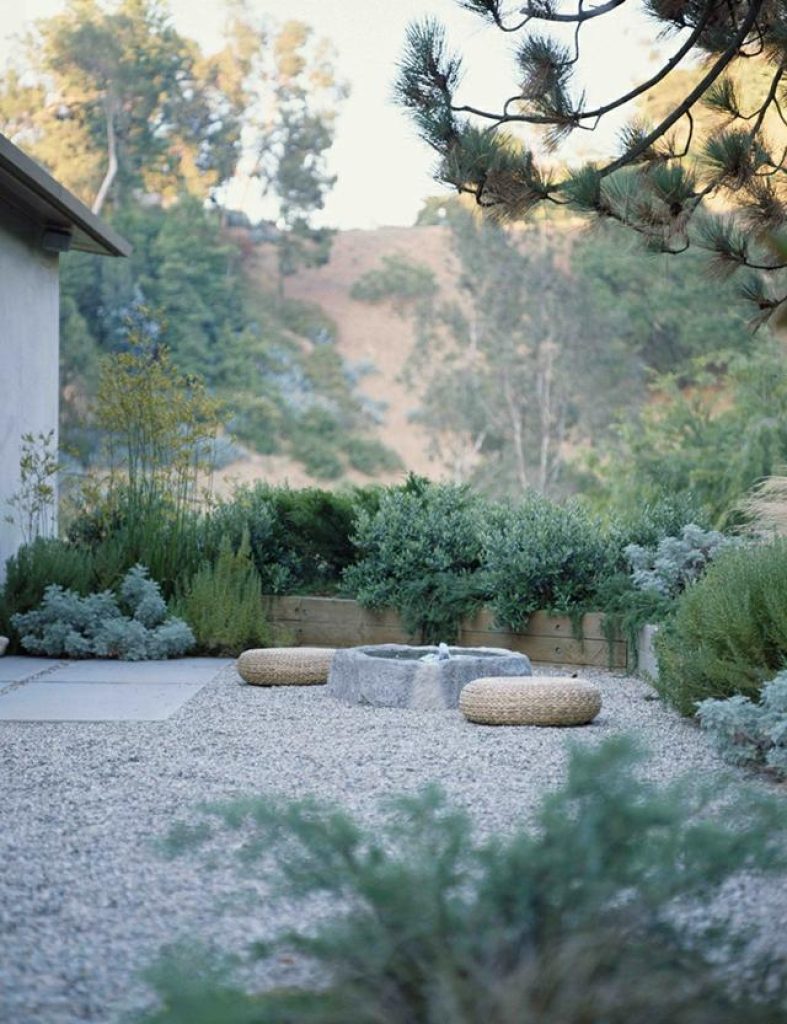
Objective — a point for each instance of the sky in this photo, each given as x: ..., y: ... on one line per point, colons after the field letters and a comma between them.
x: 383, y: 169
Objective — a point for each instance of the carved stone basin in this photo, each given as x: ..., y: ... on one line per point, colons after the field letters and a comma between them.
x: 396, y: 676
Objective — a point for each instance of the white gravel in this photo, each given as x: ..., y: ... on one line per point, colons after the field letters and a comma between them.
x: 85, y: 900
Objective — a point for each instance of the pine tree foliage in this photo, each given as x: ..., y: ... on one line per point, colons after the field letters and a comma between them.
x: 666, y: 173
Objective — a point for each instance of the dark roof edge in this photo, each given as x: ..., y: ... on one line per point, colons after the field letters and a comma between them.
x: 33, y: 177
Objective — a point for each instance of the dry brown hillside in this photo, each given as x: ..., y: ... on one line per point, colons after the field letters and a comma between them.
x: 366, y: 333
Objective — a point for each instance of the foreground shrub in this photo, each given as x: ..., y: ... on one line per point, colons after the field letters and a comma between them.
x: 222, y: 603
x: 67, y: 625
x: 570, y: 921
x: 542, y: 556
x: 748, y: 733
x: 728, y: 633
x: 420, y: 553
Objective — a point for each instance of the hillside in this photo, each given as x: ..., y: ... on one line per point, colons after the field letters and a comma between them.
x: 373, y: 337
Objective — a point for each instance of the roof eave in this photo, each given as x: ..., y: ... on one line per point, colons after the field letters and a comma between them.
x: 32, y: 178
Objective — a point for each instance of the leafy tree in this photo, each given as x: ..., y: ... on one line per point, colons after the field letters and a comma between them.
x: 146, y: 127
x: 292, y: 132
x: 492, y: 358
x: 660, y: 182
x: 513, y: 377
x: 659, y: 312
x: 713, y: 440
x: 120, y: 101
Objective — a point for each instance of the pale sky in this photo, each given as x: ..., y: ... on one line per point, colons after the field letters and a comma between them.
x: 383, y: 169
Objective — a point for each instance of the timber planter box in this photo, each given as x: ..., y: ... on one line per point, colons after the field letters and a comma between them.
x: 339, y: 622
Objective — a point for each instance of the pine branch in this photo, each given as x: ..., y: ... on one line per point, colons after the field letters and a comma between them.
x: 696, y: 93
x: 544, y: 10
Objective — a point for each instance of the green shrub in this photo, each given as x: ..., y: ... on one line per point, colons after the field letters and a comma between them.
x: 37, y: 566
x: 122, y: 530
x: 300, y: 539
x: 570, y: 920
x: 675, y: 561
x: 748, y: 733
x: 370, y: 456
x: 543, y: 556
x: 420, y: 553
x: 650, y: 522
x: 318, y: 456
x: 222, y: 603
x: 659, y: 571
x: 68, y: 625
x: 728, y: 633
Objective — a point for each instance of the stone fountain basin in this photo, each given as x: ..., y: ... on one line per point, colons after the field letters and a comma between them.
x: 393, y: 675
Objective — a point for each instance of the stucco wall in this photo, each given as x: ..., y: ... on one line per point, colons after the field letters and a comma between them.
x: 29, y: 301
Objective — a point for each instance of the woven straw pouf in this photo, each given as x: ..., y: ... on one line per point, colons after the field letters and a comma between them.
x: 285, y: 666
x: 530, y: 700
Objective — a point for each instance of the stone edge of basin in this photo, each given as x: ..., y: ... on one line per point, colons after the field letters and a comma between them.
x: 373, y: 680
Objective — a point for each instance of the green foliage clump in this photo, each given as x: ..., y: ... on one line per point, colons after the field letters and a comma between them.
x: 36, y: 566
x: 543, y: 556
x: 650, y: 522
x: 662, y: 549
x: 568, y: 921
x: 317, y: 451
x: 728, y: 632
x: 300, y: 539
x: 713, y: 432
x: 748, y: 733
x: 676, y: 561
x: 119, y: 531
x: 133, y: 627
x: 420, y: 552
x: 400, y: 279
x: 370, y: 456
x: 222, y: 602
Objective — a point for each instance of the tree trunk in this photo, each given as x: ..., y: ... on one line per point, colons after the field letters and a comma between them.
x: 112, y: 158
x: 544, y: 391
x: 516, y: 431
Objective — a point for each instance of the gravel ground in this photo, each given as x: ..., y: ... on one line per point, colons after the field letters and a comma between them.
x: 85, y: 900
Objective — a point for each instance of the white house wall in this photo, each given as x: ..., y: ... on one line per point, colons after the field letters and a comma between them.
x: 29, y: 303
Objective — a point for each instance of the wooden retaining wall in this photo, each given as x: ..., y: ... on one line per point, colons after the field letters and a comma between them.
x: 338, y: 622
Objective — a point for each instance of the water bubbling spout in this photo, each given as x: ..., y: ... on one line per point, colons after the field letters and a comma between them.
x: 443, y: 654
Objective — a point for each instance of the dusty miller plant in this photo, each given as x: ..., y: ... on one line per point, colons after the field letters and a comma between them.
x: 133, y: 627
x: 676, y: 561
x: 751, y: 733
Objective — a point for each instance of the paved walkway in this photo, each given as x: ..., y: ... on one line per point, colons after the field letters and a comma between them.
x: 101, y: 690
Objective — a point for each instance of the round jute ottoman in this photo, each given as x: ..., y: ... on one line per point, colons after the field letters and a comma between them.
x: 285, y: 666
x: 530, y: 700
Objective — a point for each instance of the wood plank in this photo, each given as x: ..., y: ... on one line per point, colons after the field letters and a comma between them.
x: 556, y: 649
x: 326, y: 634
x: 334, y: 609
x: 539, y: 624
x: 280, y: 607
x: 341, y: 622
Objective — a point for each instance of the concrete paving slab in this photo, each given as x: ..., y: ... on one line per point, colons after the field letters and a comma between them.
x: 95, y: 702
x: 106, y: 670
x: 14, y: 668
